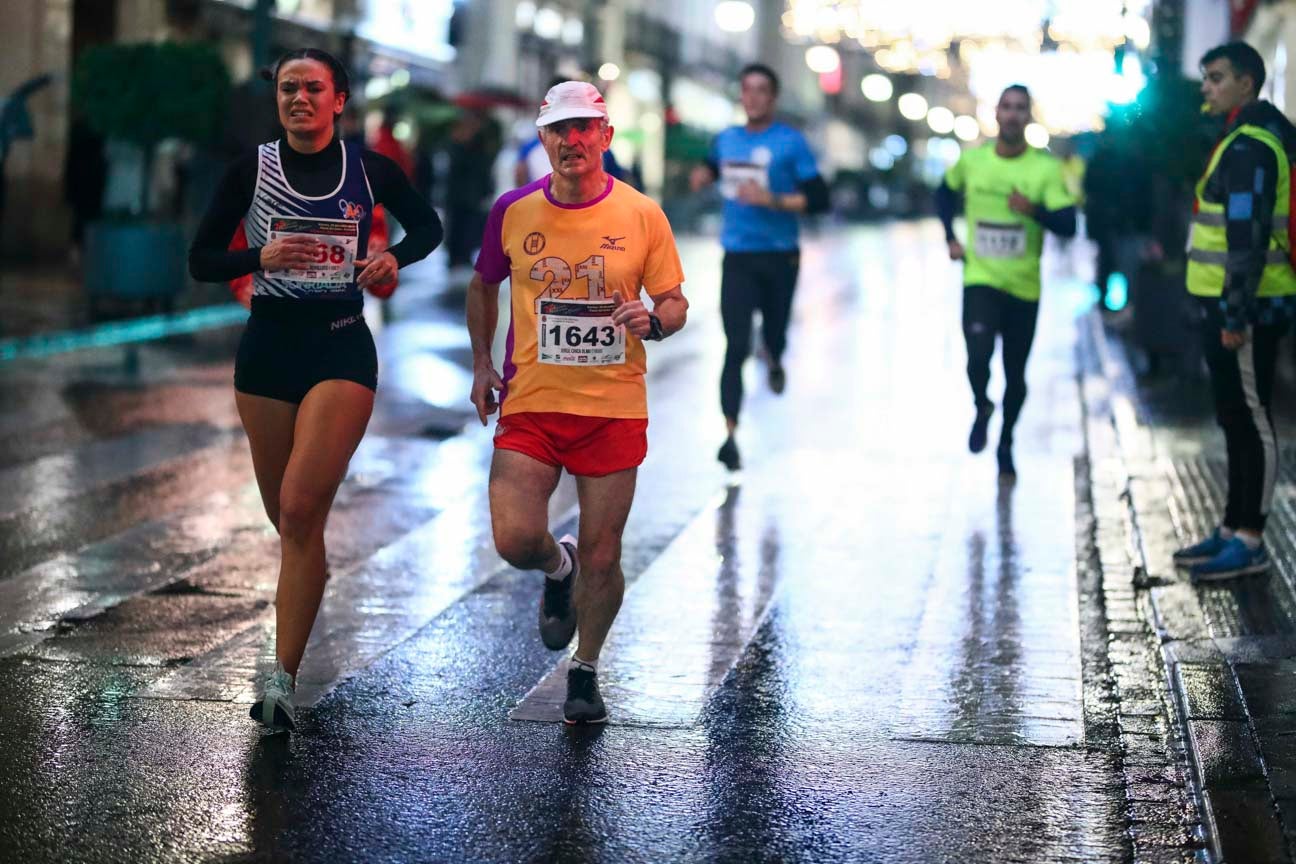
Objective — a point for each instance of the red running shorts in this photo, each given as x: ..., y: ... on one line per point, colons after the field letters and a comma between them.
x: 584, y: 446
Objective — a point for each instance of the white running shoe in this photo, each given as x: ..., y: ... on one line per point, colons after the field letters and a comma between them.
x: 275, y: 708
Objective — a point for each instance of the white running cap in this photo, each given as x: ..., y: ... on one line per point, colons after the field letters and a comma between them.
x: 569, y: 100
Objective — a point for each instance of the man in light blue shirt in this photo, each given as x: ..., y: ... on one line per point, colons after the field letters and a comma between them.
x: 767, y: 176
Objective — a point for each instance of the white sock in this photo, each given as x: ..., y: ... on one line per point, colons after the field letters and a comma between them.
x: 564, y: 565
x: 1225, y: 533
x: 1252, y: 541
x: 584, y: 664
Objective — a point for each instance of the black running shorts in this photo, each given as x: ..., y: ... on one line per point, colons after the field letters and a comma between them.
x: 289, y: 346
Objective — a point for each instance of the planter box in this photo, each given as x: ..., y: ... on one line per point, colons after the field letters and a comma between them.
x: 134, y: 260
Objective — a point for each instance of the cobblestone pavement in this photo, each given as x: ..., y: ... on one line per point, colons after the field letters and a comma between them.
x: 1228, y: 650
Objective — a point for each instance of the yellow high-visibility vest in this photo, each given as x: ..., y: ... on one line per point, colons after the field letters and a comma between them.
x: 1208, y: 245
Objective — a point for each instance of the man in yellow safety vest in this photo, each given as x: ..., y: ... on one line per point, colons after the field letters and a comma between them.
x: 1240, y: 269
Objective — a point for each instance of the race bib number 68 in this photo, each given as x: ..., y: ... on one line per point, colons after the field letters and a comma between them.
x: 579, y: 333
x: 336, y: 246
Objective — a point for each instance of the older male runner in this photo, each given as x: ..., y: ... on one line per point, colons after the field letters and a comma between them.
x: 577, y: 247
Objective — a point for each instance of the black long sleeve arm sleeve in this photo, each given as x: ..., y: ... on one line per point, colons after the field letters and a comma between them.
x: 393, y: 190
x: 818, y: 198
x: 1060, y: 222
x: 947, y: 206
x: 210, y: 259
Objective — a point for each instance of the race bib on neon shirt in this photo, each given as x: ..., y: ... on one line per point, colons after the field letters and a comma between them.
x: 1000, y: 240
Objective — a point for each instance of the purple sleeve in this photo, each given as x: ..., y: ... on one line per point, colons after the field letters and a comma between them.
x: 492, y: 262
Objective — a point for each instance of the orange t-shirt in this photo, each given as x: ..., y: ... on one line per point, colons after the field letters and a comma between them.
x: 564, y: 356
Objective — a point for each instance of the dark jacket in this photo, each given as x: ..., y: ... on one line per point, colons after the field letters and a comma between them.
x: 1246, y: 184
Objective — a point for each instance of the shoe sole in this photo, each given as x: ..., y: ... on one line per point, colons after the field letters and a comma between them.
x: 1193, y: 561
x: 554, y: 643
x: 281, y: 718
x: 599, y: 721
x: 1231, y: 574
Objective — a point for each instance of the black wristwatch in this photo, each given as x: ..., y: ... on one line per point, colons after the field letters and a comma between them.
x: 655, y: 331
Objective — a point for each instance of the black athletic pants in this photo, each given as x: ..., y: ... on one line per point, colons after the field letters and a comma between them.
x: 751, y: 281
x: 987, y: 313
x: 1242, y: 382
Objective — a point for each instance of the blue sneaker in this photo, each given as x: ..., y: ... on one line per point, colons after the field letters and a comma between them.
x: 1200, y: 553
x: 1235, y: 559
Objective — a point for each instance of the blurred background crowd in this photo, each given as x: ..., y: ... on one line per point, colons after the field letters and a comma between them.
x: 125, y: 111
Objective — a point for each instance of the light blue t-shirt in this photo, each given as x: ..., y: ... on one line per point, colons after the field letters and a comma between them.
x: 778, y: 158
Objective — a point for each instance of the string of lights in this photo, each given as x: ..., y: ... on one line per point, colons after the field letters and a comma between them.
x: 1050, y: 43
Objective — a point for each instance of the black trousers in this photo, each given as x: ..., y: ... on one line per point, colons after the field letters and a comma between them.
x: 989, y: 313
x: 1106, y: 261
x: 464, y: 227
x: 751, y: 281
x: 1242, y: 382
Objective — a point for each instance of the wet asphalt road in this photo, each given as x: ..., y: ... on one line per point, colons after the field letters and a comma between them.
x: 862, y: 648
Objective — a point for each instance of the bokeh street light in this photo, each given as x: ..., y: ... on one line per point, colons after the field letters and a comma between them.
x: 876, y: 87
x: 966, y: 127
x: 912, y: 106
x: 822, y: 59
x: 734, y: 16
x: 548, y: 23
x: 941, y: 120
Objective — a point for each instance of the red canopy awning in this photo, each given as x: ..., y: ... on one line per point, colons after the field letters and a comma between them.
x: 482, y: 99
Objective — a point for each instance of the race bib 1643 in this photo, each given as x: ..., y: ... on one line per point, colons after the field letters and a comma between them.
x: 579, y: 333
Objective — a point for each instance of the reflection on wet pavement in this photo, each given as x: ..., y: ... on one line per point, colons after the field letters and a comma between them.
x: 375, y: 602
x: 997, y: 658
x: 861, y: 648
x: 685, y: 621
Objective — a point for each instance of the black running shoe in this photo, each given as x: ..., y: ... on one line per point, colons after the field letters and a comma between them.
x: 557, y: 614
x: 777, y: 380
x: 584, y: 704
x: 729, y: 454
x: 977, y: 437
x: 1007, y: 470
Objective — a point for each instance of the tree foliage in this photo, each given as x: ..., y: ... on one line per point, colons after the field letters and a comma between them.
x: 144, y: 93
